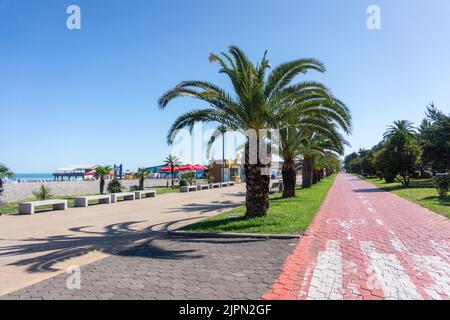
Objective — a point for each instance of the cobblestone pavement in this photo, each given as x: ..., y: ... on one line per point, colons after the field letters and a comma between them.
x: 174, y: 268
x: 366, y: 243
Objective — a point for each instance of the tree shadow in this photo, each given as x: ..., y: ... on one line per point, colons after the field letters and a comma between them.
x: 115, y: 240
x: 219, y: 206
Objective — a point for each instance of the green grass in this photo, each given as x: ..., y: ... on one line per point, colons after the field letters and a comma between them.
x: 164, y: 190
x: 285, y: 216
x: 420, y: 191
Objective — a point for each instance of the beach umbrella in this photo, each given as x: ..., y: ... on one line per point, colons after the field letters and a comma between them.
x: 199, y: 167
x: 187, y: 167
x: 168, y: 169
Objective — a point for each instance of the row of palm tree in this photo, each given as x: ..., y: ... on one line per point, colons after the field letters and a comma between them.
x: 307, y: 114
x: 103, y: 171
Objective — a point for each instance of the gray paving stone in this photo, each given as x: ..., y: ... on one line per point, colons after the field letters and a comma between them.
x: 175, y: 268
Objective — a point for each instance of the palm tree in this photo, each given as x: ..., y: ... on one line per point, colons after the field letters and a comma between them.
x: 141, y: 174
x: 404, y: 128
x: 100, y: 173
x: 5, y: 172
x: 172, y: 161
x: 257, y: 100
x: 317, y: 112
x: 318, y: 145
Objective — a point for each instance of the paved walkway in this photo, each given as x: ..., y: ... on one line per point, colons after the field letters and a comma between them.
x: 173, y: 268
x: 35, y: 248
x: 366, y: 243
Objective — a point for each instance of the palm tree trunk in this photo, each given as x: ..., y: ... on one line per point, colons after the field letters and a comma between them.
x: 141, y: 183
x: 315, y: 177
x: 171, y: 173
x: 307, y: 172
x: 102, y: 184
x: 289, y: 179
x: 257, y: 184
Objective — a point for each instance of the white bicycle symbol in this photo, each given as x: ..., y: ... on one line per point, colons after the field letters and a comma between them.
x: 346, y: 224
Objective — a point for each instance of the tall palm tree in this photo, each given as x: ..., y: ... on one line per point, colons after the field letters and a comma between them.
x: 172, y: 161
x: 318, y: 145
x: 403, y: 128
x: 254, y: 104
x: 317, y: 111
x: 5, y: 172
x: 100, y: 173
x: 141, y: 174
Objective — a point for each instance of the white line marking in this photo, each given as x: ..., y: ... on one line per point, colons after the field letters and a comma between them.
x: 392, y: 277
x: 326, y: 282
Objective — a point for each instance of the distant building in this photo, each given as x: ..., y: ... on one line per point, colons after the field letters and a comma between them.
x: 73, y: 172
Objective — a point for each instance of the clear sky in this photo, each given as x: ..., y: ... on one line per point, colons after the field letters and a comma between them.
x: 89, y: 96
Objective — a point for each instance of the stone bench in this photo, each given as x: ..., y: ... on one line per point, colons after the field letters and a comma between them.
x: 29, y: 207
x: 124, y: 195
x: 225, y: 184
x: 214, y: 185
x: 144, y: 194
x: 188, y: 188
x: 202, y: 187
x: 84, y: 201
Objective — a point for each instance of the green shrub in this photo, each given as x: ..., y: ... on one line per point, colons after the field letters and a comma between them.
x: 442, y: 183
x: 114, y: 186
x: 43, y: 193
x: 188, y: 178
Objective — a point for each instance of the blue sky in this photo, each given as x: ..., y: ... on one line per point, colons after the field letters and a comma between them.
x: 89, y: 96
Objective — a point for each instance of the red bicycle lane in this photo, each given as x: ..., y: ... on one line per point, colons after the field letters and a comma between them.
x: 366, y: 243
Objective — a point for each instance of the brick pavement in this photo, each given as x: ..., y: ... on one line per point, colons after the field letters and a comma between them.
x: 366, y: 243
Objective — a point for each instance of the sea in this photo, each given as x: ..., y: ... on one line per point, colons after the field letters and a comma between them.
x: 32, y: 177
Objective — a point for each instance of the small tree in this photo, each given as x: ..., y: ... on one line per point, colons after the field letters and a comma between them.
x: 43, y: 193
x: 172, y: 161
x: 100, y: 173
x: 114, y: 186
x: 141, y: 174
x: 442, y: 183
x: 4, y: 173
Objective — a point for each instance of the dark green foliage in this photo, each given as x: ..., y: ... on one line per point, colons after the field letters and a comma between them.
x: 114, y: 186
x: 43, y: 193
x: 434, y: 139
x: 442, y: 183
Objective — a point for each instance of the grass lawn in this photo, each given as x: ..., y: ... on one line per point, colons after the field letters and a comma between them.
x: 163, y: 190
x: 285, y: 216
x: 420, y: 191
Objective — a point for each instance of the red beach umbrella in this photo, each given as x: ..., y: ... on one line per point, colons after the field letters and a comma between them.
x: 187, y: 167
x: 169, y: 168
x: 199, y: 167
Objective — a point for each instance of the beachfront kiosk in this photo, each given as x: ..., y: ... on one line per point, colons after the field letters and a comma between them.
x: 73, y: 172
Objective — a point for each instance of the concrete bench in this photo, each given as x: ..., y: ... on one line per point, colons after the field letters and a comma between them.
x: 202, y: 187
x: 84, y: 201
x: 188, y: 188
x: 144, y: 194
x: 225, y: 184
x: 276, y: 187
x: 214, y: 185
x: 124, y: 195
x: 29, y: 207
